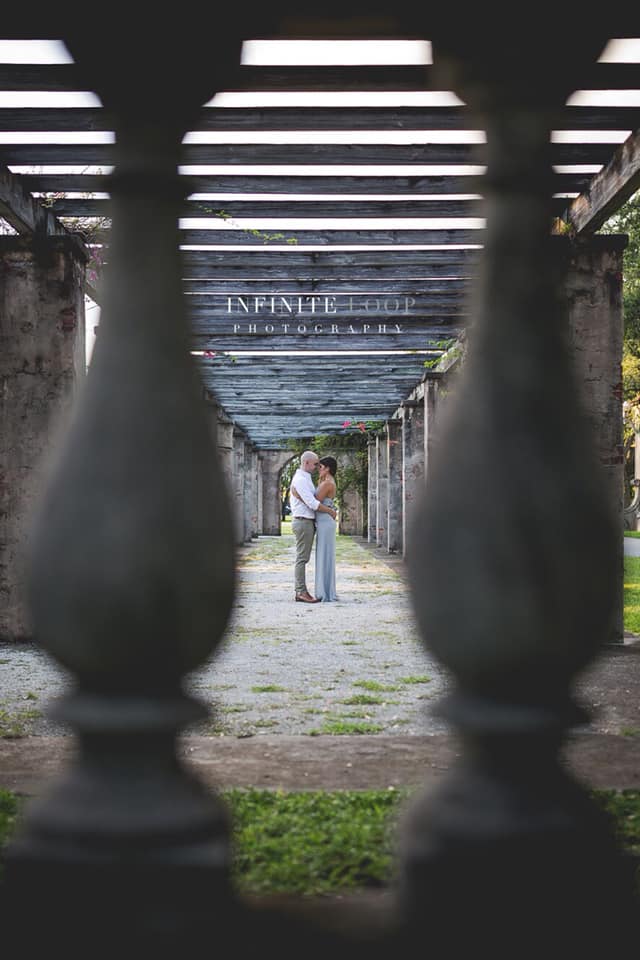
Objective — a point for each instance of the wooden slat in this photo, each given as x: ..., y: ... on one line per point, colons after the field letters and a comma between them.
x: 239, y: 119
x: 287, y: 367
x: 245, y: 119
x: 328, y: 237
x: 373, y: 275
x: 252, y: 154
x: 249, y: 305
x: 59, y: 77
x: 605, y: 76
x: 439, y: 308
x: 266, y: 256
x: 299, y: 184
x: 429, y: 338
x: 287, y: 207
x: 397, y: 288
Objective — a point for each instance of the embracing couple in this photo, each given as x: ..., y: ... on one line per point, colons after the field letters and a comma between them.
x: 313, y: 511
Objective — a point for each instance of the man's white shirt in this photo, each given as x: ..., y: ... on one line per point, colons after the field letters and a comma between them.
x: 308, y: 504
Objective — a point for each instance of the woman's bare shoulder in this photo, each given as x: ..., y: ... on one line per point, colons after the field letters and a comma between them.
x: 326, y: 488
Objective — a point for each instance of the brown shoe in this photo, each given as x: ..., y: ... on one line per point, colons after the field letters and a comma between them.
x: 306, y: 598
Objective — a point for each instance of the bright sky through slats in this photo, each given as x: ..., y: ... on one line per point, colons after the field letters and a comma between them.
x: 335, y: 52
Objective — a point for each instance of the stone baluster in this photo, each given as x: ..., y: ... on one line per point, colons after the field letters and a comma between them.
x: 131, y: 568
x: 513, y: 589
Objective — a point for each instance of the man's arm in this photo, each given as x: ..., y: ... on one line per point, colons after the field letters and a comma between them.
x: 303, y: 490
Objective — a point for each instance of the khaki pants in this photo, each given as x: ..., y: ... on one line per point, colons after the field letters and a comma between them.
x: 304, y: 531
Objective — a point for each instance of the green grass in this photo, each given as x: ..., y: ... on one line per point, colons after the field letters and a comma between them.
x: 324, y: 842
x: 375, y: 687
x: 338, y: 728
x: 632, y: 594
x: 632, y: 533
x: 18, y: 723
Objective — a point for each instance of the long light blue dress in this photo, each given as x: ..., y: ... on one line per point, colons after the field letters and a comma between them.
x: 325, y: 585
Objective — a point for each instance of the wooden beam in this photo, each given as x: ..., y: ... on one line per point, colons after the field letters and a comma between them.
x: 28, y: 216
x: 300, y: 184
x: 65, y: 76
x: 608, y: 189
x: 290, y: 206
x: 240, y: 119
x: 329, y: 237
x: 294, y: 154
x: 349, y: 261
x: 402, y: 287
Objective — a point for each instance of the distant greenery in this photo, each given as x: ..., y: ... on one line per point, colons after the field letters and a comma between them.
x: 627, y: 221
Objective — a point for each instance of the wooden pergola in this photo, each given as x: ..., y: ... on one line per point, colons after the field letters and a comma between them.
x: 357, y: 282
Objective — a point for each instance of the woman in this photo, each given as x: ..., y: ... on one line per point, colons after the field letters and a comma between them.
x: 325, y: 587
x: 325, y: 562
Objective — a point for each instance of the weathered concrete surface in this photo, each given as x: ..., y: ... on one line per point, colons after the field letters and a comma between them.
x: 42, y: 362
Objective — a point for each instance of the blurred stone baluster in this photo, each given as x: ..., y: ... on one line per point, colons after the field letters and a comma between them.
x: 513, y: 589
x: 132, y: 566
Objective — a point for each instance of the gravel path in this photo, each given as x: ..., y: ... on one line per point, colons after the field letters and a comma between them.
x: 354, y: 666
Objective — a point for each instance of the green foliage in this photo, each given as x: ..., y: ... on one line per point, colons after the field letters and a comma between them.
x: 627, y: 221
x: 16, y: 724
x: 352, y: 476
x: 315, y: 843
x: 632, y: 594
x: 623, y: 809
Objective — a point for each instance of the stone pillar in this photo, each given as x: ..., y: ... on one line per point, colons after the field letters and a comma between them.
x: 272, y: 463
x: 594, y: 297
x: 42, y: 364
x: 249, y: 490
x: 253, y: 503
x: 381, y: 490
x: 350, y: 517
x: 393, y: 431
x: 224, y: 434
x: 259, y: 516
x: 372, y: 490
x: 431, y: 388
x: 239, y: 490
x: 413, y: 464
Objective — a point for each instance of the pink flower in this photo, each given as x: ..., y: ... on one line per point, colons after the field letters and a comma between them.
x: 362, y: 428
x: 347, y: 423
